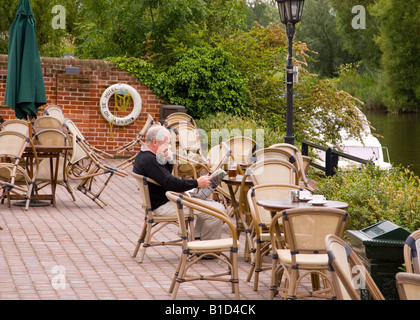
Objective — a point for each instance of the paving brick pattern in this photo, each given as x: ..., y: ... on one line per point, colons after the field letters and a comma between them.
x: 80, y: 251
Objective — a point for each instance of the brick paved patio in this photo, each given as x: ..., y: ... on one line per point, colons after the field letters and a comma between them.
x: 80, y: 251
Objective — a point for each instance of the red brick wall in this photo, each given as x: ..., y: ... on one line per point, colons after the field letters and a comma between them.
x: 79, y: 95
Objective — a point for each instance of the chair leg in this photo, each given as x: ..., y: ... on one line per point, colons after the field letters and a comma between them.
x: 181, y: 275
x: 274, y: 278
x: 291, y: 290
x: 141, y: 239
x: 251, y: 271
x: 175, y: 277
x: 28, y: 196
x: 257, y: 264
x: 69, y: 190
x: 147, y: 240
x: 235, y: 274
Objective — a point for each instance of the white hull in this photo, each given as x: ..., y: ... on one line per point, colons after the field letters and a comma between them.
x: 368, y: 149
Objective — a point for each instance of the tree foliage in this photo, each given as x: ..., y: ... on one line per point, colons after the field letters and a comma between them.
x: 52, y: 41
x: 358, y: 42
x: 399, y: 40
x: 318, y: 31
x: 148, y: 28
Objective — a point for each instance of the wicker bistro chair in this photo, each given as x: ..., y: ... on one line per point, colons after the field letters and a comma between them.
x: 408, y: 285
x: 152, y: 224
x: 412, y: 252
x: 53, y: 137
x: 16, y: 125
x: 47, y: 122
x: 343, y: 264
x: 189, y: 160
x: 226, y: 249
x: 271, y: 153
x: 272, y: 171
x: 16, y: 182
x: 55, y: 112
x: 261, y: 223
x: 176, y: 118
x: 301, y: 164
x: 218, y: 156
x: 76, y: 134
x: 305, y: 230
x: 242, y: 149
x: 85, y: 166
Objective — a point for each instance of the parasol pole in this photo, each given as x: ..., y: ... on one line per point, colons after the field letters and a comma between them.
x: 29, y: 126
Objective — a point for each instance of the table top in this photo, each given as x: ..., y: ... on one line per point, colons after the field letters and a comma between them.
x: 237, y: 180
x: 278, y: 204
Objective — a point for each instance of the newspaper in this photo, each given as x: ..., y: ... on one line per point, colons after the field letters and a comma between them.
x: 203, y: 193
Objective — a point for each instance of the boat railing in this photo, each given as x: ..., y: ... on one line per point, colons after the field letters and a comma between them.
x: 331, y: 157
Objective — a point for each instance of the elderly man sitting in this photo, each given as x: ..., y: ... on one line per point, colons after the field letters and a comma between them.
x: 155, y: 161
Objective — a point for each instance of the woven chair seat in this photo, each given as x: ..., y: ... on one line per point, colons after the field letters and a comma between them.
x: 210, y: 244
x: 164, y: 218
x: 318, y: 260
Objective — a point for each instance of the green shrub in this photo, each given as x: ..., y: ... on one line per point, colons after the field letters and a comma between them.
x: 376, y: 195
x: 203, y: 80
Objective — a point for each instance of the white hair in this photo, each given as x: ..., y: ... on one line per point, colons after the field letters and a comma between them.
x: 157, y: 132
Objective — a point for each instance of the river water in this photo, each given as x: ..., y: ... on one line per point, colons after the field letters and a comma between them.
x: 401, y: 135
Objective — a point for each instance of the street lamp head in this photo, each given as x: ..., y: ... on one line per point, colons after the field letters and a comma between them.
x: 290, y: 10
x: 282, y: 11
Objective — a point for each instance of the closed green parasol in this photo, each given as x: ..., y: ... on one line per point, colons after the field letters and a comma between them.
x: 25, y: 89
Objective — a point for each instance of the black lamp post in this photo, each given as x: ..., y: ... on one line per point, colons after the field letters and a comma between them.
x: 290, y: 13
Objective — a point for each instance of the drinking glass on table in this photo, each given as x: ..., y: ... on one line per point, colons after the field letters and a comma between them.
x: 232, y: 166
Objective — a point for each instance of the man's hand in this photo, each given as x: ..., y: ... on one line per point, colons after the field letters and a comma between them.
x: 203, y: 182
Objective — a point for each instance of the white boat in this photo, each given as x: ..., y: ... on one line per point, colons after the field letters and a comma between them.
x: 369, y: 148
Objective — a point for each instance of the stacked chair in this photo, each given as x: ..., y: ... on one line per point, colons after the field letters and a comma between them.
x: 186, y: 142
x: 47, y: 122
x: 178, y: 117
x: 16, y: 180
x: 55, y: 112
x: 86, y: 165
x: 16, y: 125
x: 52, y: 137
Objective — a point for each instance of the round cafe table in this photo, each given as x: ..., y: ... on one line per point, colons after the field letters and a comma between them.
x: 279, y: 204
